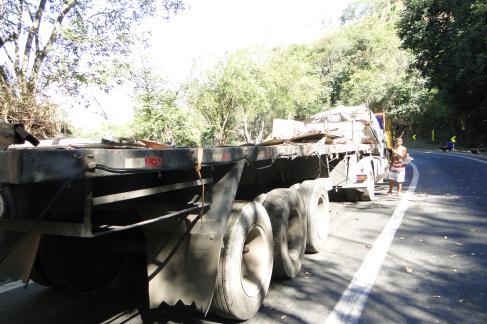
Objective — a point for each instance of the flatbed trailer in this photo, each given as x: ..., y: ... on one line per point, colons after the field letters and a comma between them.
x: 208, y: 226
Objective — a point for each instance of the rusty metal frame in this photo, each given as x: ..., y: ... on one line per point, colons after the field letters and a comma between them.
x: 23, y: 166
x: 86, y: 229
x: 121, y: 196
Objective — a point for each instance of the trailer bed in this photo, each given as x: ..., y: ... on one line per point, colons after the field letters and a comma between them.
x: 34, y: 165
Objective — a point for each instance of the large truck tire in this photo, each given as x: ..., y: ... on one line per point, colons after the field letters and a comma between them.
x: 286, y: 212
x: 245, y: 266
x: 75, y: 264
x: 316, y: 207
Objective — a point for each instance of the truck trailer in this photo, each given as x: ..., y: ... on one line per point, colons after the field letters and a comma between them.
x: 209, y: 227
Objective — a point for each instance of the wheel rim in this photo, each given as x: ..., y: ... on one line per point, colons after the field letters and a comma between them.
x: 322, y: 217
x: 294, y: 234
x: 254, y: 267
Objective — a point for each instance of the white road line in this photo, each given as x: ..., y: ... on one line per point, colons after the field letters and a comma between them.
x: 350, y: 306
x: 11, y: 286
x: 458, y: 155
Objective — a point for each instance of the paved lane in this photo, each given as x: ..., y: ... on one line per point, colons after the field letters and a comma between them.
x: 437, y: 268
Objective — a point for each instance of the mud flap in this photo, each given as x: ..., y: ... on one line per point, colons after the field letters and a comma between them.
x: 182, y: 269
x: 18, y: 265
x: 183, y: 255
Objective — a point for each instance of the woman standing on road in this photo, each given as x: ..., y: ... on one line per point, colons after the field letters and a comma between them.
x: 397, y: 171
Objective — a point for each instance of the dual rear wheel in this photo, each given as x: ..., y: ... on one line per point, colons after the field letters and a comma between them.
x: 262, y: 240
x: 246, y: 262
x: 268, y: 239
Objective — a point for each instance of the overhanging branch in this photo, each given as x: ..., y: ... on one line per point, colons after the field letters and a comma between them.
x: 41, y: 55
x: 33, y: 32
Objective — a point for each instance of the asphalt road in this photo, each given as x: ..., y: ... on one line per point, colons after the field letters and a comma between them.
x: 420, y: 257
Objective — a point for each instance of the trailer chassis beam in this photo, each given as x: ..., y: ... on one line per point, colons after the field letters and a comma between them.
x: 85, y: 230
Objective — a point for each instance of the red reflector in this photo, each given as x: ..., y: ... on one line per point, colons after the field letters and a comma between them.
x: 226, y: 156
x: 361, y: 177
x: 153, y: 162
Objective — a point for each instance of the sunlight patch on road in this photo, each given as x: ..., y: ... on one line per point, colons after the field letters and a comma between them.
x: 350, y: 306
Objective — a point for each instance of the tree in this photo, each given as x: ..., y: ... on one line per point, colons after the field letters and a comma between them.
x: 449, y: 41
x: 208, y: 97
x: 296, y: 90
x: 242, y: 94
x: 233, y: 99
x: 157, y: 115
x: 362, y: 62
x: 362, y: 59
x: 63, y: 44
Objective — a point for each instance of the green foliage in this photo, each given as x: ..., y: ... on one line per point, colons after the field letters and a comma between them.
x: 362, y: 62
x: 158, y: 117
x: 433, y: 74
x: 295, y: 88
x: 242, y: 94
x: 208, y: 98
x: 64, y: 45
x: 449, y: 41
